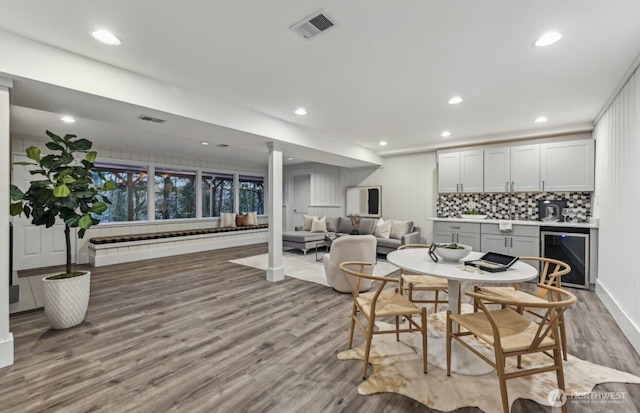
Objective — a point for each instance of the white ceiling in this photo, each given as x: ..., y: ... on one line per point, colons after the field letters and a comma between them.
x: 385, y: 72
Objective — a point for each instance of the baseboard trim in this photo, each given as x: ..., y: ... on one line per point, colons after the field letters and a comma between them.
x: 626, y: 324
x: 6, y: 351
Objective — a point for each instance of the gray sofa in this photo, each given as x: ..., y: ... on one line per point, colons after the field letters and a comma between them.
x: 306, y: 240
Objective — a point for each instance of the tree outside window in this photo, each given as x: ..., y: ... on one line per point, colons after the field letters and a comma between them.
x: 175, y: 194
x: 251, y: 194
x: 129, y: 197
x: 217, y: 194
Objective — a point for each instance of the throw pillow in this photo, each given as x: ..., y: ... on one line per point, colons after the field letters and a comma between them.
x: 253, y: 218
x: 228, y: 219
x: 242, y: 220
x: 383, y: 229
x: 400, y: 228
x: 319, y: 225
x: 307, y: 222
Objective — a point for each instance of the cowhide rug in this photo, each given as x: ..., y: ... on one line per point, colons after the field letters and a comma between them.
x: 397, y: 368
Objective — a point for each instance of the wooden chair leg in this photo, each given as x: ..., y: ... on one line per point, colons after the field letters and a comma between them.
x: 354, y: 313
x: 367, y: 350
x: 559, y: 373
x: 424, y: 339
x: 563, y: 337
x: 449, y: 338
x: 435, y: 305
x: 500, y: 361
x: 398, y: 328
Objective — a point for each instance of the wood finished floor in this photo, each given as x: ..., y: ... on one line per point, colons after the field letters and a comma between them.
x: 196, y: 333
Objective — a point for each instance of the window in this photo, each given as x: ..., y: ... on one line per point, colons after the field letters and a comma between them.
x: 217, y: 194
x: 129, y: 198
x: 251, y: 194
x: 175, y: 194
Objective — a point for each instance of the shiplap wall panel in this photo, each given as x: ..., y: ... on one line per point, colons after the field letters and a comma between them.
x: 616, y: 204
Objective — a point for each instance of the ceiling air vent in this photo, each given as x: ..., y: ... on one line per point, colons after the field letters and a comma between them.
x: 313, y: 24
x: 222, y: 145
x: 151, y: 119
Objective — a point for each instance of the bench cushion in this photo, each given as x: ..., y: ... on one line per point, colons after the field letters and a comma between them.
x: 170, y: 234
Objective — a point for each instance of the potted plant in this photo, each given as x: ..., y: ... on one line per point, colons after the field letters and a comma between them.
x: 66, y: 191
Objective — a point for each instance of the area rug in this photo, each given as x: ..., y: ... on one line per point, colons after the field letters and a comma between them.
x: 305, y: 267
x: 397, y: 368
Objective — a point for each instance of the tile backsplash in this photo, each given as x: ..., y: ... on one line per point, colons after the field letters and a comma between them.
x: 515, y: 205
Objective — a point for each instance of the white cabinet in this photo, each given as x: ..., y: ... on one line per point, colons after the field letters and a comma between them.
x: 521, y: 241
x: 567, y: 166
x: 462, y: 233
x: 460, y: 172
x: 512, y: 169
x: 525, y: 168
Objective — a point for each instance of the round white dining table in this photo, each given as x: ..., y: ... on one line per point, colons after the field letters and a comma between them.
x: 417, y: 261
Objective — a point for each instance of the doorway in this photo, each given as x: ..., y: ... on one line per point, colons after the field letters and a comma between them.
x: 301, y: 198
x: 36, y: 246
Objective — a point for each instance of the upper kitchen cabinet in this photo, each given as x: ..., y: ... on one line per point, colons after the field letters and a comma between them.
x: 460, y: 171
x: 512, y: 169
x: 567, y: 166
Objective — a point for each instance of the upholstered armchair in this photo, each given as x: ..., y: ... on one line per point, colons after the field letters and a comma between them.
x: 349, y: 248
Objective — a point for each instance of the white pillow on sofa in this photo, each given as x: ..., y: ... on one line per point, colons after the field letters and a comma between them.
x: 383, y: 229
x: 308, y: 219
x: 319, y: 225
x: 400, y: 228
x: 227, y: 219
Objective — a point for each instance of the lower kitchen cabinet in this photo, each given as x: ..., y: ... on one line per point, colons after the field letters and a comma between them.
x: 460, y: 233
x: 521, y: 241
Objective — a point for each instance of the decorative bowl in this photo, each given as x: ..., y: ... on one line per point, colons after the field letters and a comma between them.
x: 452, y: 254
x: 472, y: 216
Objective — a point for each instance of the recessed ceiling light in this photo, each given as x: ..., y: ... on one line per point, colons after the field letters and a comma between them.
x: 383, y: 143
x: 106, y: 37
x: 445, y: 134
x: 289, y: 158
x: 455, y: 100
x: 548, y: 39
x: 541, y: 119
x: 67, y: 119
x: 300, y: 112
x: 205, y: 143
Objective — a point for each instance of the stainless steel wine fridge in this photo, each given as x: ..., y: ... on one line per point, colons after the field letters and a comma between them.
x: 570, y: 245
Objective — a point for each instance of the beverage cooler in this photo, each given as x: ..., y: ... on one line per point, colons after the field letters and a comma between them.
x: 570, y: 245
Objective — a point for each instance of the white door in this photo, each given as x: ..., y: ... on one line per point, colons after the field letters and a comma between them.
x: 448, y: 172
x: 36, y: 246
x: 301, y: 197
x: 497, y: 170
x: 567, y: 166
x: 471, y: 171
x: 525, y: 168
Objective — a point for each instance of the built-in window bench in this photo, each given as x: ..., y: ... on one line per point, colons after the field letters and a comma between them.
x: 117, y: 249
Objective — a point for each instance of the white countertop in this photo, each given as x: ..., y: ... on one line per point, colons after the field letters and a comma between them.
x: 592, y: 224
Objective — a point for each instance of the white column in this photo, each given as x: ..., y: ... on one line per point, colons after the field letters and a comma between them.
x: 6, y: 337
x: 275, y: 270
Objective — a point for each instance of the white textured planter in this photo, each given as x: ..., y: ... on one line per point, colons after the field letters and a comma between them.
x: 66, y: 300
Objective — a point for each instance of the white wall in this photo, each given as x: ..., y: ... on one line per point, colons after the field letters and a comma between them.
x: 408, y: 188
x: 616, y: 203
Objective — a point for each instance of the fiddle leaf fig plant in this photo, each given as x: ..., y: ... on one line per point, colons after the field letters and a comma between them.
x: 65, y: 190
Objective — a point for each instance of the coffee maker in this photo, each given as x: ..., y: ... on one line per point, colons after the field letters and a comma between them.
x: 550, y: 210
